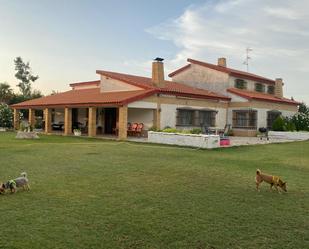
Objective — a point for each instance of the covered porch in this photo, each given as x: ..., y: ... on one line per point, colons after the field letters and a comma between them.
x: 92, y: 121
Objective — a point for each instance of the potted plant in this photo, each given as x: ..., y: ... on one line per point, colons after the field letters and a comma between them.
x: 77, y: 132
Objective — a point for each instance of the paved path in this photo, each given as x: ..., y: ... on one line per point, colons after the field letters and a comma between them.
x: 237, y: 141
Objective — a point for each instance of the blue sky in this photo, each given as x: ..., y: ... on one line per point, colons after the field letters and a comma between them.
x: 66, y: 41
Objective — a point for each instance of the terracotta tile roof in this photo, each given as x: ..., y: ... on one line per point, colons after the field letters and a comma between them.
x: 261, y: 96
x: 86, y: 97
x: 180, y: 70
x: 93, y: 96
x: 171, y: 87
x: 87, y: 83
x: 230, y: 71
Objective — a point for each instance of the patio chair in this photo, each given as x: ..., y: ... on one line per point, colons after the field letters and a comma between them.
x: 134, y: 128
x: 226, y: 130
x: 129, y: 128
x: 204, y: 129
x: 139, y: 129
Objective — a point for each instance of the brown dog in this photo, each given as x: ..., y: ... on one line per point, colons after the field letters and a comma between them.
x: 272, y: 180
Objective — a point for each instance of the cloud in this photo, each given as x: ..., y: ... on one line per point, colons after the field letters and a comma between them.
x: 283, y: 13
x: 279, y: 37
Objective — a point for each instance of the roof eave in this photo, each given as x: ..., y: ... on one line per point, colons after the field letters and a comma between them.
x: 261, y: 99
x: 179, y: 70
x: 106, y: 74
x: 190, y: 95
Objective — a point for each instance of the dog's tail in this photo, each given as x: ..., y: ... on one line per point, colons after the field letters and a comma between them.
x: 24, y: 174
x: 258, y: 172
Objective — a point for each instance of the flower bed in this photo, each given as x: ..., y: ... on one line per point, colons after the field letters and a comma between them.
x: 192, y: 140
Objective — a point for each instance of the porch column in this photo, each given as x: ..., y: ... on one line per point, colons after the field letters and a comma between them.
x: 47, y: 118
x: 67, y: 121
x: 31, y: 117
x: 92, y: 118
x: 16, y: 119
x: 123, y: 122
x: 157, y: 115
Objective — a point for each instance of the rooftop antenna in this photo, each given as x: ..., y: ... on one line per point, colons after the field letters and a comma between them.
x: 246, y: 62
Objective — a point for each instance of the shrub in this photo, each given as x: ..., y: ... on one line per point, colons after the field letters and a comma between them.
x: 301, y: 121
x: 279, y: 124
x: 289, y: 124
x: 171, y: 130
x: 196, y: 131
x: 6, y: 116
x: 38, y: 124
x: 153, y: 128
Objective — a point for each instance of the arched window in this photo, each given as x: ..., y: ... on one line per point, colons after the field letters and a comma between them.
x: 240, y: 84
x: 271, y: 89
x: 259, y: 87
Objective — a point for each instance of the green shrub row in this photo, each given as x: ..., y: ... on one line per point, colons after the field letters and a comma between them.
x: 174, y: 130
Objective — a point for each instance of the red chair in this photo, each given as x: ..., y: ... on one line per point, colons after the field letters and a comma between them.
x: 133, y: 128
x: 139, y: 129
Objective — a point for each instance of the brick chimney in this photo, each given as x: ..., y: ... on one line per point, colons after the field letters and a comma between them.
x: 278, y: 88
x: 222, y: 62
x: 158, y: 72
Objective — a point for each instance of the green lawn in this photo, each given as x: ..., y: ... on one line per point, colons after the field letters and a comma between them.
x: 90, y: 193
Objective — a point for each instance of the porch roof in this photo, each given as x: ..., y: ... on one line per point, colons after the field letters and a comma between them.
x: 85, y: 97
x: 261, y: 96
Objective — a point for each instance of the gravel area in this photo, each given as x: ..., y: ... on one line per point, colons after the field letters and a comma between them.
x: 237, y: 141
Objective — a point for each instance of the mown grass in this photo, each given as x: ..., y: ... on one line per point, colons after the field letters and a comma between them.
x: 90, y: 193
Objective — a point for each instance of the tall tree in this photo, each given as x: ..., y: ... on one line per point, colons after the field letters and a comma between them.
x: 6, y: 93
x: 25, y: 76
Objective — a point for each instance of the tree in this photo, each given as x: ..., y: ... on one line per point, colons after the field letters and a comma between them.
x: 25, y: 76
x: 6, y: 93
x: 6, y: 116
x: 36, y: 94
x: 303, y: 108
x: 278, y: 124
x: 301, y: 119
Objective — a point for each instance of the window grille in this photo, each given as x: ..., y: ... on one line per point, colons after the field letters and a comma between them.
x: 245, y: 119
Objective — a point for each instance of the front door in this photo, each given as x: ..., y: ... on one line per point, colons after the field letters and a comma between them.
x: 110, y: 120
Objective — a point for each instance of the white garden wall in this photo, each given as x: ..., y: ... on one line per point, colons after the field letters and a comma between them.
x: 191, y: 140
x: 288, y: 135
